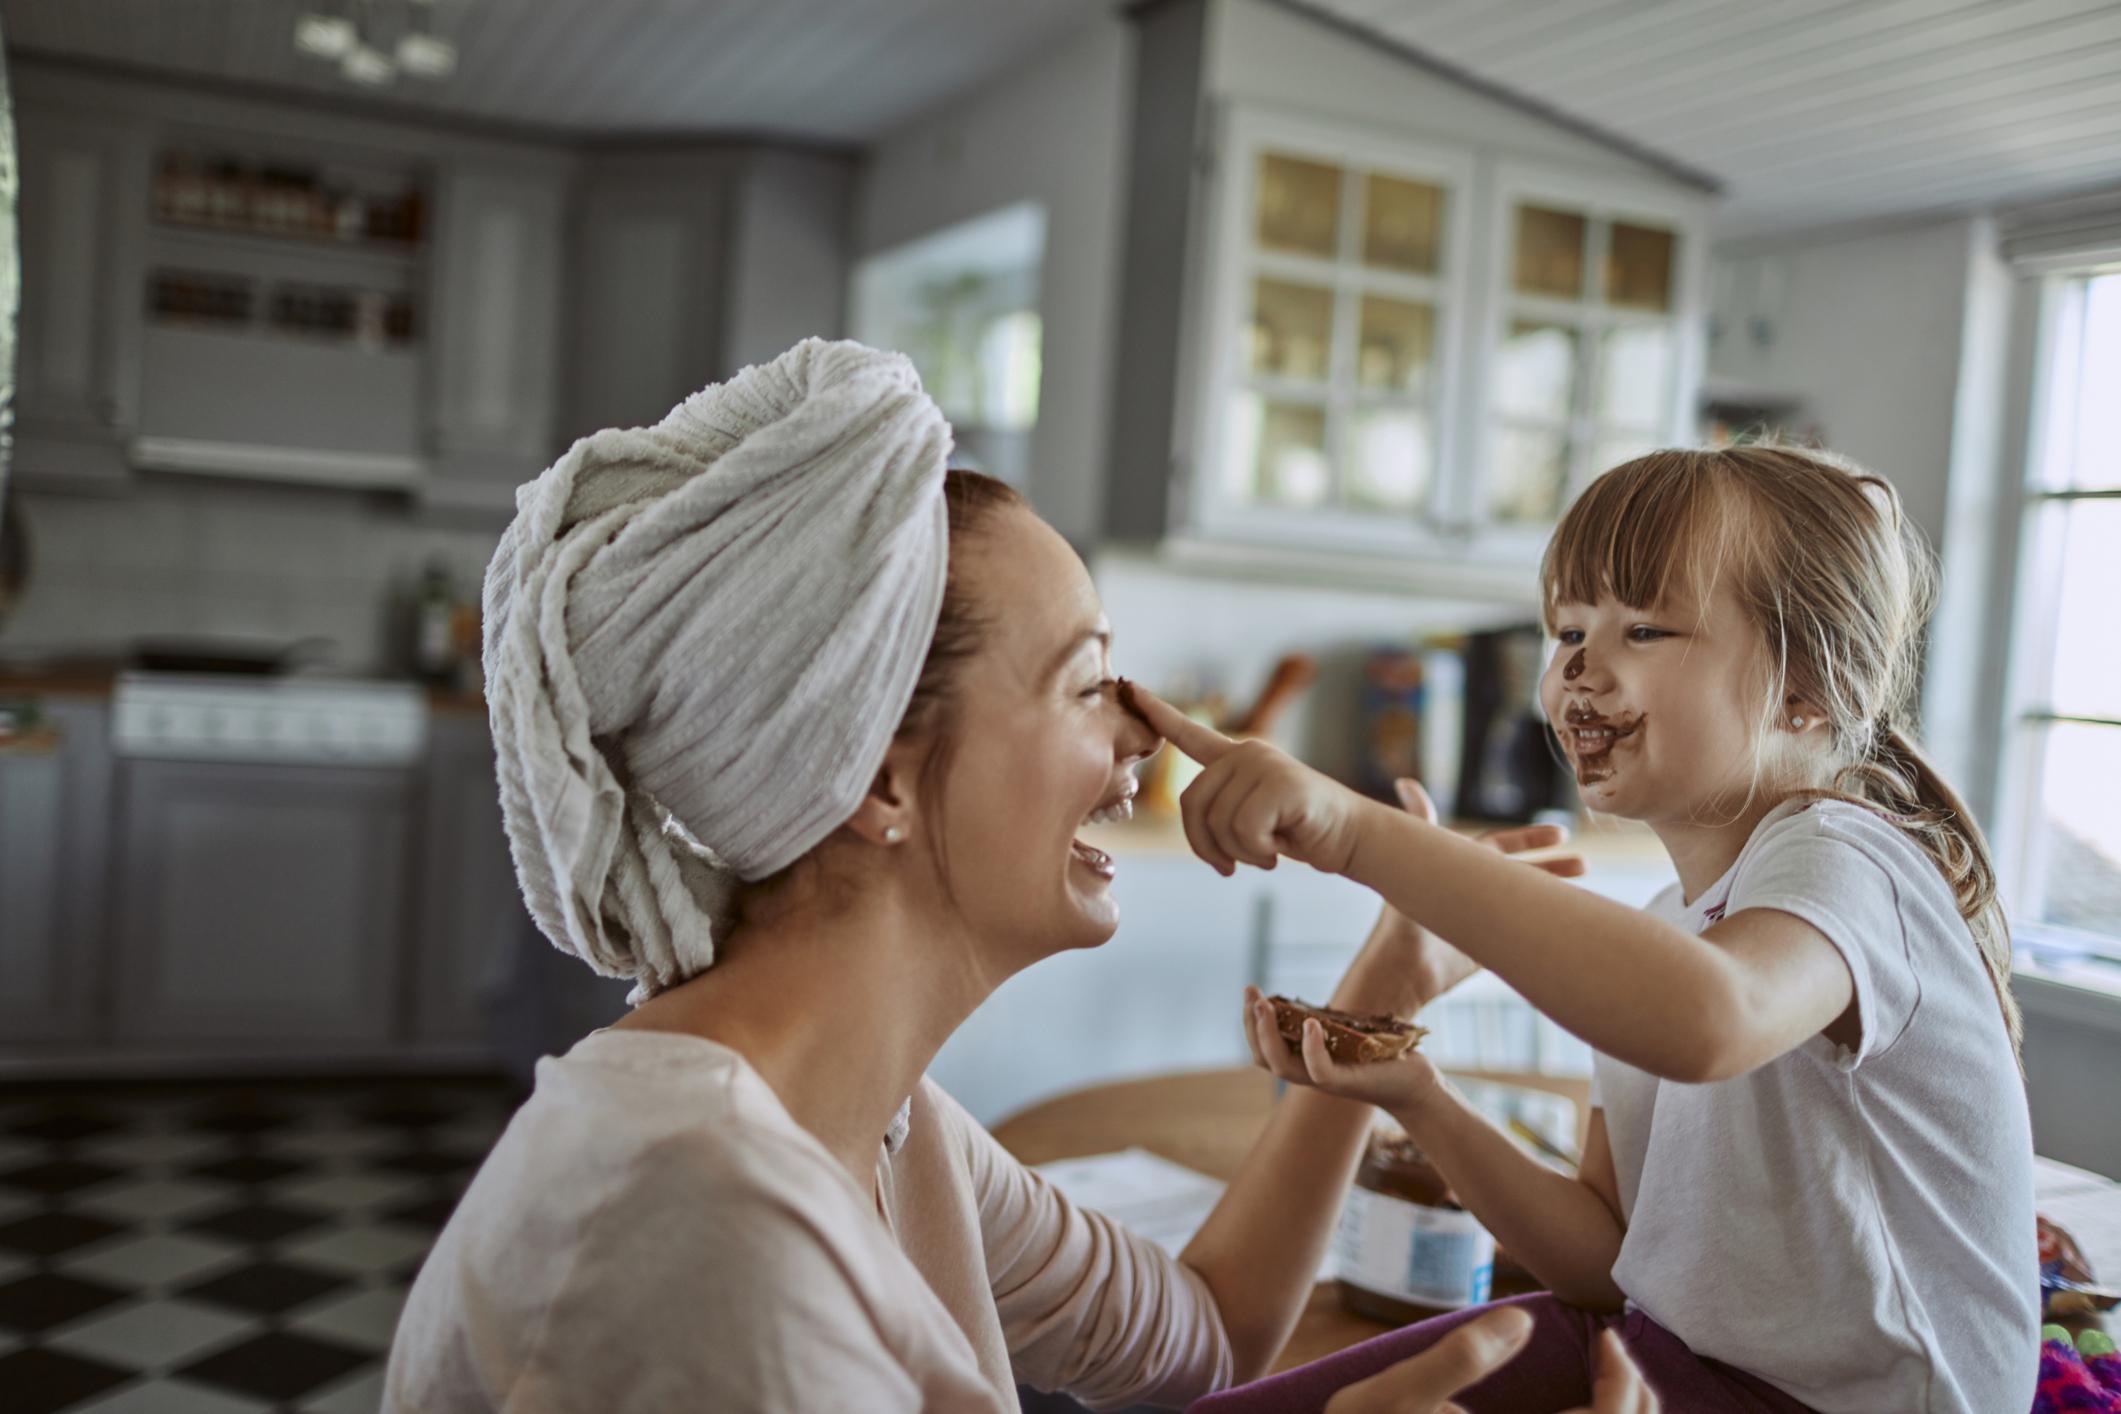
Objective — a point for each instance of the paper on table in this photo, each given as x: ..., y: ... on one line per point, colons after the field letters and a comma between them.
x: 1162, y: 1201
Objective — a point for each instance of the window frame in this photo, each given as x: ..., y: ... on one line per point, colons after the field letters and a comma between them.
x: 2027, y: 713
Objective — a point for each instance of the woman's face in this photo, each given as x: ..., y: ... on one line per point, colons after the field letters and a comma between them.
x: 1040, y: 746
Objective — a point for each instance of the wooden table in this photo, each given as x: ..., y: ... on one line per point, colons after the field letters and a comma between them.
x: 1206, y: 1120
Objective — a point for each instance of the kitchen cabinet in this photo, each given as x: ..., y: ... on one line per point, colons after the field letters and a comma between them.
x: 470, y: 920
x: 646, y: 289
x: 1415, y: 347
x: 80, y: 207
x: 496, y: 301
x: 55, y: 796
x: 260, y: 908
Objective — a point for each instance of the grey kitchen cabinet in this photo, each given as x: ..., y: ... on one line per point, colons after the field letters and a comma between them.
x: 82, y: 213
x: 260, y: 908
x: 54, y: 819
x: 649, y: 244
x: 496, y: 301
x: 471, y: 922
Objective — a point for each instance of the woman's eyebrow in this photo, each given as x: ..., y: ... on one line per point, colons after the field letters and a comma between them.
x: 1097, y: 633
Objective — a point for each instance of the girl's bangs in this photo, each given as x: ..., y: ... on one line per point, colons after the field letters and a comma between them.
x: 1646, y: 530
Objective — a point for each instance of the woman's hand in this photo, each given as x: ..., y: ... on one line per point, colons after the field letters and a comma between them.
x: 1254, y: 802
x: 1399, y: 1087
x: 1424, y: 1383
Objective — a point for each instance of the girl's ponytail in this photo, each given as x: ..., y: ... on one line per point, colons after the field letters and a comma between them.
x: 1894, y: 776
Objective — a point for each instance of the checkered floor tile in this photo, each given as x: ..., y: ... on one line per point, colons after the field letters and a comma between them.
x: 221, y: 1249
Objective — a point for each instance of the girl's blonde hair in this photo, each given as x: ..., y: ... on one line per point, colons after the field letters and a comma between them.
x: 1821, y: 559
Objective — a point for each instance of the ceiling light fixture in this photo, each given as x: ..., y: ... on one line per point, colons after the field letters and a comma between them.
x: 374, y: 41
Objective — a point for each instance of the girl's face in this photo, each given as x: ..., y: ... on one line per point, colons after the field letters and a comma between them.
x: 1657, y: 709
x: 1040, y: 746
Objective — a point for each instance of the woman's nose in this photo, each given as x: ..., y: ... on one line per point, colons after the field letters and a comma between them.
x: 1137, y: 741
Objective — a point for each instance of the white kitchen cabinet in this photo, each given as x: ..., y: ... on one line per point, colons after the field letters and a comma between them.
x: 54, y: 818
x: 82, y: 213
x: 496, y: 300
x: 1422, y: 350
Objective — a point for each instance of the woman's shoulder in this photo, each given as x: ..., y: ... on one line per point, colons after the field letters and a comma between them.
x: 634, y: 1115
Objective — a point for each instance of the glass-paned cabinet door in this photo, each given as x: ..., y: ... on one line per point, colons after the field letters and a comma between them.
x: 1338, y: 288
x: 1586, y: 357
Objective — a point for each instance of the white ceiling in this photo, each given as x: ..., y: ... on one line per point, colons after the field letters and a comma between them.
x: 1809, y: 112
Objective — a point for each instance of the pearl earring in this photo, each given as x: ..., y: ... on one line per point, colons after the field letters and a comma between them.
x: 893, y: 834
x: 1797, y: 722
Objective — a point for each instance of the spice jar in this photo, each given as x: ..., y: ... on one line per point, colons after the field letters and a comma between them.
x: 1404, y: 1249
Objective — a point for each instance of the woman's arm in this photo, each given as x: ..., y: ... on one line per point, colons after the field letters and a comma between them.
x: 1260, y: 1249
x: 1278, y: 1213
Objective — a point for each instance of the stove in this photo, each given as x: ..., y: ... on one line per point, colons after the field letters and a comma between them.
x: 295, y: 720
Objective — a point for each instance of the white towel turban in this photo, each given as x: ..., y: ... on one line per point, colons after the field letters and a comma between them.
x: 700, y: 639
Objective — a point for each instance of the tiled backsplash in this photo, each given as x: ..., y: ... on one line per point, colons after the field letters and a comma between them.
x: 219, y: 559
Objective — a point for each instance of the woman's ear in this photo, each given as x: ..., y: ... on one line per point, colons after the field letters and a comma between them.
x: 885, y: 816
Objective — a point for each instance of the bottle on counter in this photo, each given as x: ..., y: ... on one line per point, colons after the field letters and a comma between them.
x: 1405, y: 1250
x: 434, y: 638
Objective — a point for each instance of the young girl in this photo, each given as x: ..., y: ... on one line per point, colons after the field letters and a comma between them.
x: 1808, y: 1180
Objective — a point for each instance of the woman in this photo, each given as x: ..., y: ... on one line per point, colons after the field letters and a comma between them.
x: 770, y: 692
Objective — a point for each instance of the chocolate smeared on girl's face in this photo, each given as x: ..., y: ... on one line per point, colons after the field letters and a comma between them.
x: 1575, y: 668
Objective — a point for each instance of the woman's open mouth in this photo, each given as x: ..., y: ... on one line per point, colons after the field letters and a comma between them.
x: 1114, y: 809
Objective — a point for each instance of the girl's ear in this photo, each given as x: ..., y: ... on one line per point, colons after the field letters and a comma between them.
x: 885, y: 816
x: 1800, y: 715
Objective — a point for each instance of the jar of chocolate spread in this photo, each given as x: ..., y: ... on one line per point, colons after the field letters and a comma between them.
x: 1404, y: 1249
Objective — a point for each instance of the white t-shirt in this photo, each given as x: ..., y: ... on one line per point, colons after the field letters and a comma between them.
x: 1855, y: 1227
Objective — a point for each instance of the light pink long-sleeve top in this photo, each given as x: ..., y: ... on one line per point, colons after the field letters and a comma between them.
x: 655, y: 1232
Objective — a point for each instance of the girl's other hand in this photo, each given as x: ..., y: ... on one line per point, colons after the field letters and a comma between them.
x: 1395, y: 1086
x: 1254, y: 802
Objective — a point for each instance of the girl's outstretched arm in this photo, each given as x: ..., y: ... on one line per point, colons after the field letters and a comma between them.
x: 1689, y: 1008
x: 1682, y: 1007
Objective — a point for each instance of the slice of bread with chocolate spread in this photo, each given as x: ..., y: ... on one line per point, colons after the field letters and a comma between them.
x: 1350, y: 1037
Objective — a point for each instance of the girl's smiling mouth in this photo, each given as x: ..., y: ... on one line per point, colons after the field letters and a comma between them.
x: 1590, y: 736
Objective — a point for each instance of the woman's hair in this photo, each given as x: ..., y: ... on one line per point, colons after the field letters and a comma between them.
x: 1820, y: 558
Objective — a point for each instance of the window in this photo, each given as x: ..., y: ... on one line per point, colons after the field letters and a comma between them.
x: 2061, y: 843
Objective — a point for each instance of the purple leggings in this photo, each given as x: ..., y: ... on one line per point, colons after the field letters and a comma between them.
x: 1551, y: 1374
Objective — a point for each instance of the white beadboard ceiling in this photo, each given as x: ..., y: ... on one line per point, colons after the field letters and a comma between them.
x: 1809, y: 112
